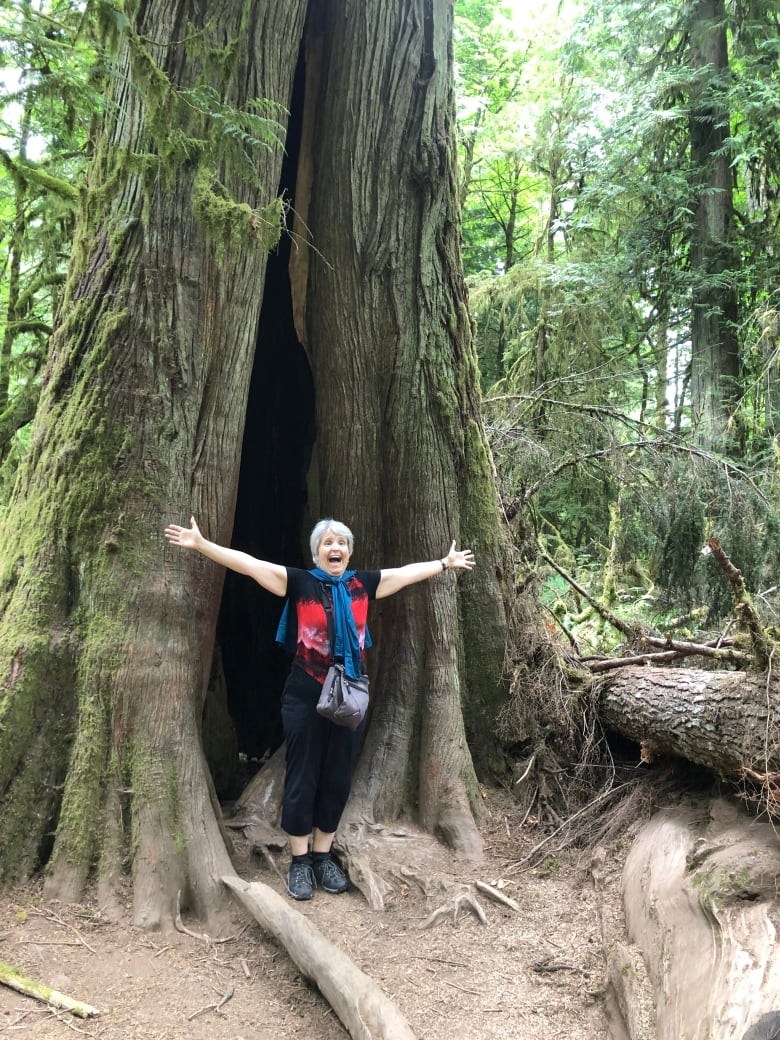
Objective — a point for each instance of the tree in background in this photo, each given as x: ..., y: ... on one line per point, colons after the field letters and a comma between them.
x: 715, y: 363
x: 650, y: 326
x: 48, y: 104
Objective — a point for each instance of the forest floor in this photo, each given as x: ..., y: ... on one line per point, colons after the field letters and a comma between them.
x: 533, y: 974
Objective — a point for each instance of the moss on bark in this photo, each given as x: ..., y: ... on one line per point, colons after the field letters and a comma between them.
x: 105, y: 638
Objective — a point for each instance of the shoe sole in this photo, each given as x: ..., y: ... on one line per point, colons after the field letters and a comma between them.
x: 331, y: 891
x: 299, y: 898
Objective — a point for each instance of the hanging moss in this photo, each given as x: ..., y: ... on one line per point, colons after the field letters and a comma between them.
x: 229, y: 222
x: 192, y: 128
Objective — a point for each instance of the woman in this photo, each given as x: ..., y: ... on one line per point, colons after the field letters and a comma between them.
x: 318, y: 754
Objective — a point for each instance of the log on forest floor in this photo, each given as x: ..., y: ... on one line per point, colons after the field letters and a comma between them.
x: 702, y: 904
x: 366, y: 1012
x: 725, y: 721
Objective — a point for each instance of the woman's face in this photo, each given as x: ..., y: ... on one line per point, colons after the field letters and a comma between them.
x: 333, y: 554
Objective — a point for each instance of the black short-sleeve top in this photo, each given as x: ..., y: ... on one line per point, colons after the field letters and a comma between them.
x: 312, y: 650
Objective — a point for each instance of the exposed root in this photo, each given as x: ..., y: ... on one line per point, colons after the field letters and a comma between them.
x: 498, y: 897
x: 372, y: 885
x: 366, y: 1012
x: 262, y: 839
x: 201, y: 936
x: 463, y: 897
x: 762, y: 791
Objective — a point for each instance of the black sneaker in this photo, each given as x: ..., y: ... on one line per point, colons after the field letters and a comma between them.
x: 329, y: 876
x: 300, y: 881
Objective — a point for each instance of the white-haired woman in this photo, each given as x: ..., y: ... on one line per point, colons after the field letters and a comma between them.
x: 318, y: 754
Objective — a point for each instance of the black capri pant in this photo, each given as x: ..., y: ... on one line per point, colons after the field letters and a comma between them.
x: 318, y: 760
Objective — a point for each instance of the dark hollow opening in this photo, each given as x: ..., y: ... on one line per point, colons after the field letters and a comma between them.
x: 275, y: 457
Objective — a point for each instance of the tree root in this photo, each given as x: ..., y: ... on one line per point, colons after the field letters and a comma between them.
x: 464, y: 897
x: 369, y: 883
x: 768, y: 799
x: 365, y: 1011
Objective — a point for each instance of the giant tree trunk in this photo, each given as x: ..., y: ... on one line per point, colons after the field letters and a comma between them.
x: 400, y: 451
x: 106, y: 636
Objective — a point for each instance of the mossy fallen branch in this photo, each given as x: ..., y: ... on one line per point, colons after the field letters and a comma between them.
x: 10, y: 977
x: 747, y: 614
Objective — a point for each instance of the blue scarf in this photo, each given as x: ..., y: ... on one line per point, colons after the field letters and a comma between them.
x: 346, y: 644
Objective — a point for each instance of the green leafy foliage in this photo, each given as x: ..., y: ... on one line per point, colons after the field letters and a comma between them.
x: 50, y: 94
x: 586, y: 341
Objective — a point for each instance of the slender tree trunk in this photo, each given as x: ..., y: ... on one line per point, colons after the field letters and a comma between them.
x: 510, y: 225
x: 714, y: 342
x: 106, y: 636
x: 661, y: 359
x: 467, y: 162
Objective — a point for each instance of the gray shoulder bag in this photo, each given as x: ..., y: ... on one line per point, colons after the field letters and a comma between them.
x: 343, y: 700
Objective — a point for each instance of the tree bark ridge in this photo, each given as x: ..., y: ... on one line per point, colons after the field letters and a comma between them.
x: 725, y: 721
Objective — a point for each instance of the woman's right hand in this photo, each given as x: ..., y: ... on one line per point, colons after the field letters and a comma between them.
x: 186, y: 537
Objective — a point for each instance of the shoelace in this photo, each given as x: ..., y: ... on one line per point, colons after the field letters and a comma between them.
x: 332, y: 872
x: 301, y: 872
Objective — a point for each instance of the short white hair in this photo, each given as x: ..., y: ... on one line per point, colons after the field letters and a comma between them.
x: 321, y: 528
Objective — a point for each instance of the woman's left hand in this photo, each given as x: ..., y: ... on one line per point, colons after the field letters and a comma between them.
x: 459, y: 559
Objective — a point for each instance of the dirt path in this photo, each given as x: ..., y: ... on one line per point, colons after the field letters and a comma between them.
x: 533, y: 975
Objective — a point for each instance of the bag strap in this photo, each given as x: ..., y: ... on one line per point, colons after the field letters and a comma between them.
x: 327, y: 601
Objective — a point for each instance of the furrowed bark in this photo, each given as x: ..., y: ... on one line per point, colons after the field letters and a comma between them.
x: 140, y: 420
x: 726, y: 721
x: 389, y: 336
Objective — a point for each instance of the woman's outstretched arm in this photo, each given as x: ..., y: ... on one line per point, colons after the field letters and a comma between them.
x: 271, y: 576
x: 396, y: 578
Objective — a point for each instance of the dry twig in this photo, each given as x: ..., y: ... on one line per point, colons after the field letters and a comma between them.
x: 497, y: 895
x: 51, y: 916
x: 216, y: 1008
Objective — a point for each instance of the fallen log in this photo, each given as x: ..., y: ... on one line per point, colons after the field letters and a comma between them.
x: 365, y: 1011
x: 725, y: 721
x: 699, y: 891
